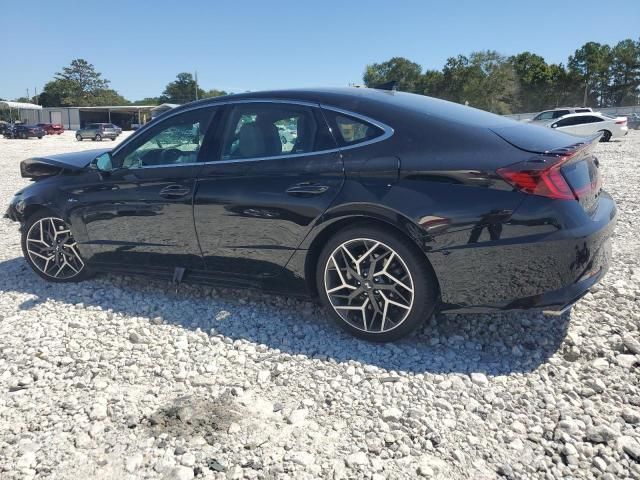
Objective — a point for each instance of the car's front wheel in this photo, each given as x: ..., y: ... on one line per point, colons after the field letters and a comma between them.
x: 98, y: 138
x: 79, y: 137
x: 376, y: 283
x: 50, y: 249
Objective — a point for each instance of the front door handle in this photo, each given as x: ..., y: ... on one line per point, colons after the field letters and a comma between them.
x: 306, y: 189
x: 174, y: 191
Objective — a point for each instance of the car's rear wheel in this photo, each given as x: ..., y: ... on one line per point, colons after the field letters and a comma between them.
x: 606, y: 136
x: 79, y: 137
x: 98, y: 138
x: 376, y: 283
x: 50, y: 249
x: 24, y: 135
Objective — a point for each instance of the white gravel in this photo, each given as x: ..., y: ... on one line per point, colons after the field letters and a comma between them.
x: 121, y: 378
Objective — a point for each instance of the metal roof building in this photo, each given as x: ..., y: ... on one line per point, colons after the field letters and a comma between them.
x: 72, y: 118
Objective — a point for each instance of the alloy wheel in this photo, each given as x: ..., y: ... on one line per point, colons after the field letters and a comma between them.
x: 53, y: 250
x: 369, y: 285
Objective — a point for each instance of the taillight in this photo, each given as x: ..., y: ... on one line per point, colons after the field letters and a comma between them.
x: 539, y: 177
x: 621, y: 122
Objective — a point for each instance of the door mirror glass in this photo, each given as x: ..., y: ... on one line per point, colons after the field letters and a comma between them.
x: 103, y: 162
x: 555, y: 125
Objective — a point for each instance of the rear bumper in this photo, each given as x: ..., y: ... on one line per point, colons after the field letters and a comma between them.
x: 540, y: 271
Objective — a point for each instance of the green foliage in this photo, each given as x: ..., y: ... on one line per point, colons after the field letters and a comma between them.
x: 406, y: 73
x: 147, y: 101
x: 182, y: 90
x: 81, y: 85
x: 596, y: 75
x: 214, y: 93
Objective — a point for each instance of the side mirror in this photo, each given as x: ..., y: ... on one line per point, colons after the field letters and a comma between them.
x: 555, y: 125
x: 102, y: 163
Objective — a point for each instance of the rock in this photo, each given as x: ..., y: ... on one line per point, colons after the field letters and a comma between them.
x: 98, y: 411
x: 631, y: 415
x: 627, y: 361
x: 264, y: 376
x: 302, y: 458
x: 188, y: 459
x: 630, y: 446
x: 479, y: 379
x: 179, y: 473
x: 632, y: 344
x: 132, y: 463
x: 600, y: 364
x: 601, y: 434
x: 430, y: 466
x: 357, y: 458
x: 391, y: 414
x: 600, y: 464
x: 297, y: 416
x: 518, y: 427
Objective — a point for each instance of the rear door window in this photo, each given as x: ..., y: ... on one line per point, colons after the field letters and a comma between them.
x: 560, y: 113
x: 263, y: 130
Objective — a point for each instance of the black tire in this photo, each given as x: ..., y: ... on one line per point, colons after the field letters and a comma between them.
x: 606, y: 136
x: 421, y: 276
x: 98, y: 137
x: 113, y: 139
x: 40, y: 137
x: 79, y: 137
x: 24, y: 136
x: 83, y: 273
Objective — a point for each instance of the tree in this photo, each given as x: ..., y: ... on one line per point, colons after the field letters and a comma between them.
x: 147, y: 101
x: 407, y: 74
x: 182, y: 90
x: 592, y: 62
x: 79, y: 85
x: 534, y: 77
x: 625, y: 73
x: 214, y: 93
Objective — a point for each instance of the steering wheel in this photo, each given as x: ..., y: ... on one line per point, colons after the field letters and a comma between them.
x: 170, y: 155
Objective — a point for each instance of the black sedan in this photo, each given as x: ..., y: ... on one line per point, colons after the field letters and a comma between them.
x: 387, y: 206
x: 24, y: 131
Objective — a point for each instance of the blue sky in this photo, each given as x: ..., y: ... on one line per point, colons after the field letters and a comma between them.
x: 252, y: 45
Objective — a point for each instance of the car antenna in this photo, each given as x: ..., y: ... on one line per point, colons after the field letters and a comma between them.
x: 391, y: 86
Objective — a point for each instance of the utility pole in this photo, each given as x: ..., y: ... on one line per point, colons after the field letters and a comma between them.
x: 28, y: 95
x: 196, y: 84
x: 35, y: 90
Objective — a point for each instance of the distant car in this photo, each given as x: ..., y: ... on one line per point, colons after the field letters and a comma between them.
x: 585, y: 124
x: 549, y: 115
x: 24, y: 131
x: 52, y: 128
x: 96, y: 132
x: 633, y: 121
x: 115, y: 127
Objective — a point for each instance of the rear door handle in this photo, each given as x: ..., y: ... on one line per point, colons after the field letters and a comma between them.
x: 174, y: 191
x: 307, y: 188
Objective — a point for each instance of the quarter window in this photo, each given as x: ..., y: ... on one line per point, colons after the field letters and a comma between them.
x: 350, y: 130
x: 260, y: 130
x: 175, y: 140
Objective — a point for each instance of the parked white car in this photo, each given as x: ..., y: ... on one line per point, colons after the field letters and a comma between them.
x: 549, y: 115
x: 585, y: 124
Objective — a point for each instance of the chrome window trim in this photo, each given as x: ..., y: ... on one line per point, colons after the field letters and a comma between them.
x: 386, y: 129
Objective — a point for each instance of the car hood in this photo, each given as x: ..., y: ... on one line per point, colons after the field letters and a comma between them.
x: 46, y: 166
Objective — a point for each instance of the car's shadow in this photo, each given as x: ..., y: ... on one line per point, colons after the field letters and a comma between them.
x: 493, y: 344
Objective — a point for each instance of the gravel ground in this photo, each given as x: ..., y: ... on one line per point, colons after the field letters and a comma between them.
x: 121, y: 378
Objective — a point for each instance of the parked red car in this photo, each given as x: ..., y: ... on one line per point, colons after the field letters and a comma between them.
x: 52, y: 128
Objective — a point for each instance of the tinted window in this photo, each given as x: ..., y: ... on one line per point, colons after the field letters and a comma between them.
x: 349, y: 130
x: 174, y: 140
x: 259, y: 130
x: 560, y: 113
x: 593, y: 119
x: 545, y: 116
x: 566, y: 122
x: 582, y: 110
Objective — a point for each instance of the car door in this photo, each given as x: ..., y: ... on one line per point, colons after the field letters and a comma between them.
x: 276, y: 170
x: 139, y: 214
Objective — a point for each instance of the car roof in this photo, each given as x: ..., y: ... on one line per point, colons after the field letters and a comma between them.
x: 376, y: 103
